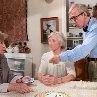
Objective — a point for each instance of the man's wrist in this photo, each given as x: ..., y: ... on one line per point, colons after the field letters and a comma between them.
x: 19, y: 80
x: 11, y: 87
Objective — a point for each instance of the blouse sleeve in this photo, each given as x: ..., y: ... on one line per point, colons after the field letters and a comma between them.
x: 70, y: 68
x: 43, y: 65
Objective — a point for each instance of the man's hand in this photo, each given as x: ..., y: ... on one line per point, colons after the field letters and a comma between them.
x: 19, y: 87
x: 55, y: 60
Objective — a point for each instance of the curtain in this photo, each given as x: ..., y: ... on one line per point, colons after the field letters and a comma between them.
x: 13, y: 19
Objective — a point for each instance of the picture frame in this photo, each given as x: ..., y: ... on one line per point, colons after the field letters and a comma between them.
x: 68, y: 22
x: 71, y: 25
x: 48, y: 25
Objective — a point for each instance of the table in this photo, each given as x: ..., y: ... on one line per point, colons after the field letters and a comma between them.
x: 70, y: 88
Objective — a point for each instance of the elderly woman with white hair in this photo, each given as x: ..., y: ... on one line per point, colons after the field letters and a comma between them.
x: 50, y: 74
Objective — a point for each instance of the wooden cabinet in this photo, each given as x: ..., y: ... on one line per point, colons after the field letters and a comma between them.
x: 81, y: 68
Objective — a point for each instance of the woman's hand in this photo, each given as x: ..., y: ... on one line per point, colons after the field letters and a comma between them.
x: 58, y: 80
x: 49, y: 79
x: 19, y: 87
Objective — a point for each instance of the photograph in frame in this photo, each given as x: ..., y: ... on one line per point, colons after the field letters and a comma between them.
x: 48, y: 25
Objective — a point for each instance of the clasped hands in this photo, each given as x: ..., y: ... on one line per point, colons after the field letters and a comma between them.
x: 50, y: 80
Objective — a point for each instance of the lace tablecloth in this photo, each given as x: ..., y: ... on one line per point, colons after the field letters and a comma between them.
x: 73, y: 89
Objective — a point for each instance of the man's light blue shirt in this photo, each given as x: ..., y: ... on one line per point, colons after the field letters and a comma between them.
x: 87, y: 48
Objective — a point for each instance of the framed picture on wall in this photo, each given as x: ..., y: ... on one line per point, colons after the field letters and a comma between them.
x: 69, y: 22
x: 48, y: 25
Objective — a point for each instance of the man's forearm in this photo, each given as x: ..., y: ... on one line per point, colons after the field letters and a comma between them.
x: 11, y: 87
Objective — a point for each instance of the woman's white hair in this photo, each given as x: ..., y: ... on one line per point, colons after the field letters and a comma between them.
x: 61, y: 39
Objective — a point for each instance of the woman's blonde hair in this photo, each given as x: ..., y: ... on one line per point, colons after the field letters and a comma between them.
x: 61, y: 39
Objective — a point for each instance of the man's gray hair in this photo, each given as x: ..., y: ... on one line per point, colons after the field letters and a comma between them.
x: 81, y: 8
x: 2, y: 36
x: 60, y: 36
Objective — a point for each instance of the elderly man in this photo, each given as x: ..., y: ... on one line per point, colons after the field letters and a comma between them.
x: 10, y: 82
x: 80, y: 17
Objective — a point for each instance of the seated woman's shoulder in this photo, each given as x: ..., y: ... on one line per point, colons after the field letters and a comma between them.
x: 47, y: 55
x: 70, y: 63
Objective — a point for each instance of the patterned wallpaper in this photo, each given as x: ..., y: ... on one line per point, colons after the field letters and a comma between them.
x: 13, y: 16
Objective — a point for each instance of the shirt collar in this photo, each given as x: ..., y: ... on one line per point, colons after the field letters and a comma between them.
x: 86, y: 28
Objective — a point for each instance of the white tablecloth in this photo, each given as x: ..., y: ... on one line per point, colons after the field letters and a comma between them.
x: 73, y: 89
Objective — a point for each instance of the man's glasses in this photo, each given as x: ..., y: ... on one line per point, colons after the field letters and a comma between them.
x: 74, y: 18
